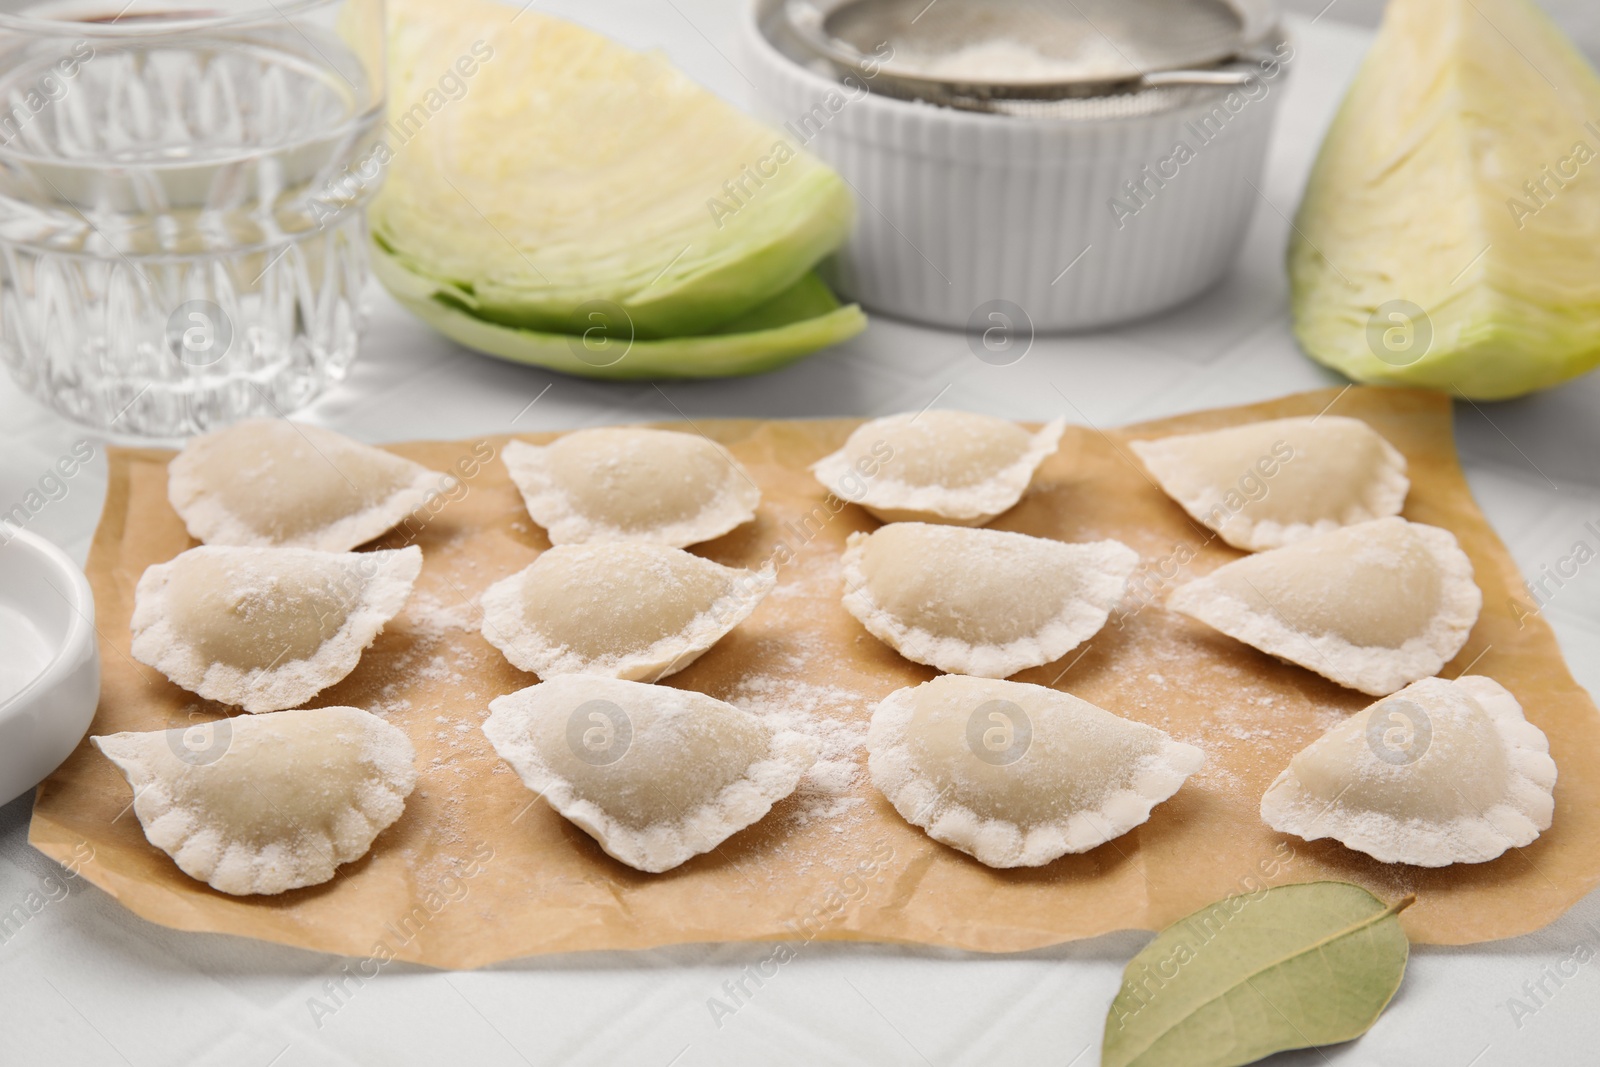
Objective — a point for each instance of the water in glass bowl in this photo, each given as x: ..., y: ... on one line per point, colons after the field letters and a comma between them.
x: 182, y: 239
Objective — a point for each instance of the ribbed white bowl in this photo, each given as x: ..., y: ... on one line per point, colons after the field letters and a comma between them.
x: 959, y: 208
x: 51, y: 682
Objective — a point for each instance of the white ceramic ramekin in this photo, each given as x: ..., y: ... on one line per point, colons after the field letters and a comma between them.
x: 957, y: 209
x: 51, y: 684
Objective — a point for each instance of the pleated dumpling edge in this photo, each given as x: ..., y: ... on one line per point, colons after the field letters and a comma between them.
x: 978, y: 601
x: 267, y: 803
x: 937, y: 466
x: 1372, y: 607
x: 655, y: 775
x: 1018, y: 775
x: 635, y: 611
x: 275, y: 483
x: 633, y: 484
x: 1444, y: 771
x: 1263, y: 485
x: 266, y: 628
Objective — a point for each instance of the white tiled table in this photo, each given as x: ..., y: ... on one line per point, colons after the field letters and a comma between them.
x: 84, y: 982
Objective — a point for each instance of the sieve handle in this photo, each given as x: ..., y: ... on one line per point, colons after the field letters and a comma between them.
x: 1198, y: 77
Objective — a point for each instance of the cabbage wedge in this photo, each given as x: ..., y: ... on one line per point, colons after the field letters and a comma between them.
x: 795, y: 323
x: 1450, y: 233
x: 567, y: 171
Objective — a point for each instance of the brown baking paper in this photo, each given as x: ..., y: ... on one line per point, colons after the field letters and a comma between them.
x: 478, y: 870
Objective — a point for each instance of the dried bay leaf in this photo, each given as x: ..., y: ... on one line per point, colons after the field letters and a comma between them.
x: 1283, y: 968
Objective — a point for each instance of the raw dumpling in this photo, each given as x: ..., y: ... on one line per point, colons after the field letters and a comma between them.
x: 627, y: 483
x: 655, y: 774
x: 1373, y: 606
x: 938, y: 466
x: 618, y: 609
x: 983, y: 602
x: 266, y: 628
x: 267, y: 803
x: 275, y: 482
x: 1265, y: 484
x: 1017, y: 775
x: 1442, y: 772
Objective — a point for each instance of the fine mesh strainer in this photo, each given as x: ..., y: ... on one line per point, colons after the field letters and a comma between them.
x: 1055, y: 58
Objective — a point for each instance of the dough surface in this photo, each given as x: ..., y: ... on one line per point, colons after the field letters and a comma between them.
x: 267, y: 482
x: 937, y: 466
x: 656, y: 775
x: 1017, y: 775
x: 267, y: 803
x: 1267, y: 484
x: 981, y: 602
x: 1441, y: 772
x: 628, y: 483
x: 621, y: 609
x: 1372, y: 607
x: 266, y: 628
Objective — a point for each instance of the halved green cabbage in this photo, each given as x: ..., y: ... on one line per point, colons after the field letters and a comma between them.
x: 569, y: 169
x: 796, y: 322
x: 1450, y: 233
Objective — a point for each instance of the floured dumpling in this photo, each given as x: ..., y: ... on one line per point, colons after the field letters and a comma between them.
x: 938, y: 466
x: 1442, y: 772
x: 1016, y: 775
x: 276, y: 482
x: 1373, y: 606
x: 618, y: 609
x: 656, y: 775
x: 1266, y: 484
x: 629, y: 483
x: 267, y: 803
x: 983, y: 602
x: 266, y: 628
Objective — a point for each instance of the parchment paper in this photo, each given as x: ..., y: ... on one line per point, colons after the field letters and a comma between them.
x: 477, y: 870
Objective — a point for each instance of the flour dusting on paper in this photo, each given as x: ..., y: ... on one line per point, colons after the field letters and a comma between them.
x: 828, y: 714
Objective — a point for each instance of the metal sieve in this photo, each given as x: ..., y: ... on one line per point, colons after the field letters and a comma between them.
x: 1057, y: 58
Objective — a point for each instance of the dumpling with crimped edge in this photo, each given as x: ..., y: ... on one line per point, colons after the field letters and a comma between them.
x: 267, y: 803
x: 1373, y: 606
x: 620, y: 609
x: 1266, y: 484
x: 982, y: 602
x: 1441, y: 772
x: 937, y: 466
x: 656, y: 775
x: 1017, y: 775
x: 274, y: 482
x: 631, y: 483
x: 266, y: 628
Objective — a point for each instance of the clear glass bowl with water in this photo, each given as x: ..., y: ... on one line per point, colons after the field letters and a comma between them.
x: 182, y: 193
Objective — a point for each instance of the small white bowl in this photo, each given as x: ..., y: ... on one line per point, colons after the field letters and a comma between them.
x: 49, y: 659
x: 966, y: 219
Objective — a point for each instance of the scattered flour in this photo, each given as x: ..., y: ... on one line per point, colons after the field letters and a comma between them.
x: 433, y: 616
x: 438, y: 669
x: 834, y: 717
